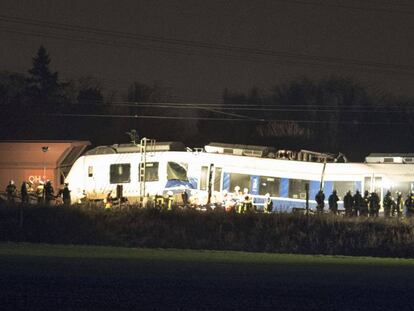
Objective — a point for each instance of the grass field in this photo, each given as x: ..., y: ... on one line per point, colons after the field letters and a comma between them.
x: 53, y: 277
x: 216, y: 230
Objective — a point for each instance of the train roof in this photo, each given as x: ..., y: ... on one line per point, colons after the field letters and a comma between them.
x: 390, y: 158
x: 247, y: 150
x: 251, y: 151
x: 131, y: 148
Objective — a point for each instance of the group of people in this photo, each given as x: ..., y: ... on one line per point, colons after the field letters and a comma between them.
x: 367, y: 205
x: 43, y: 192
x: 238, y: 201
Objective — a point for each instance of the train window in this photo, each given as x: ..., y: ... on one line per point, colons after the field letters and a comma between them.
x: 151, y: 171
x: 378, y: 185
x: 342, y: 187
x: 217, y: 179
x: 269, y: 185
x: 367, y: 184
x: 241, y: 180
x: 90, y: 171
x: 120, y: 173
x: 371, y: 184
x: 177, y: 171
x: 297, y: 188
x: 404, y: 187
x: 204, y: 178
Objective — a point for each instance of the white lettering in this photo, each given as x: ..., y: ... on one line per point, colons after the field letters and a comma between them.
x: 35, y: 179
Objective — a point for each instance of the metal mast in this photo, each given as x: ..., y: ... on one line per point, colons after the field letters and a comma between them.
x: 146, y: 145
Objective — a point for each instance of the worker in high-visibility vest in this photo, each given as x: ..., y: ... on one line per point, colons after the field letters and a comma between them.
x: 109, y: 200
x: 247, y: 203
x: 170, y: 200
x: 159, y: 201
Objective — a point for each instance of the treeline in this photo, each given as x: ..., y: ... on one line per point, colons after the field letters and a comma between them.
x: 186, y: 229
x: 40, y: 105
x: 333, y: 114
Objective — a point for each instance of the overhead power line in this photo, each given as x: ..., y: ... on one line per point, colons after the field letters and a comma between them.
x: 135, y: 116
x: 351, y: 7
x: 185, y: 45
x: 222, y: 108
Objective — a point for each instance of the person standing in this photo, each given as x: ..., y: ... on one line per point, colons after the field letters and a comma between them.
x: 40, y: 193
x: 184, y: 198
x: 396, y: 208
x: 365, y: 204
x: 357, y: 203
x: 49, y: 192
x: 320, y: 202
x: 374, y: 205
x: 333, y: 202
x: 388, y: 203
x: 268, y: 204
x: 409, y: 205
x: 348, y: 204
x: 237, y: 197
x: 66, y: 195
x: 247, y: 202
x: 24, y: 195
x: 11, y: 191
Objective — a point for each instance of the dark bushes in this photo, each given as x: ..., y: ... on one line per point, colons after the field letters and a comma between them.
x: 285, y: 233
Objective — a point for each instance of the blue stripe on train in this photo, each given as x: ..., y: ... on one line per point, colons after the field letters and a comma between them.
x: 283, y: 205
x: 226, y: 181
x: 313, y: 189
x: 284, y: 187
x: 174, y: 183
x: 254, y: 184
x: 328, y: 188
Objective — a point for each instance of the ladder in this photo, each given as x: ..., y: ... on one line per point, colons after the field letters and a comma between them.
x: 146, y: 146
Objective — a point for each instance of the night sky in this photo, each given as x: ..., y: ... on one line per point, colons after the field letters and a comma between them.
x: 197, y: 48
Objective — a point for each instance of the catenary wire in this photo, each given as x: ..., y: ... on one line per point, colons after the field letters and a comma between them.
x: 135, y: 116
x: 349, y: 7
x: 204, y: 45
x: 284, y: 108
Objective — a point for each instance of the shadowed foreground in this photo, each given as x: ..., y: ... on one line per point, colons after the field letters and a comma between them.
x: 46, y: 277
x: 216, y: 230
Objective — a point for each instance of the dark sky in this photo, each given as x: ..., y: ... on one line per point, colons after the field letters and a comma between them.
x: 200, y: 47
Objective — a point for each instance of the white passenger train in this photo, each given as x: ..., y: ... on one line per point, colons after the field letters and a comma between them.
x: 221, y: 167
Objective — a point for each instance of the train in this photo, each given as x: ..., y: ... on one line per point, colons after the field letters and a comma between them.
x: 291, y: 179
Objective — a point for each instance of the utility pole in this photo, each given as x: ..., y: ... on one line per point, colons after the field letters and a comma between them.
x: 307, y: 198
x: 145, y: 145
x: 44, y: 150
x: 323, y: 174
x: 142, y: 166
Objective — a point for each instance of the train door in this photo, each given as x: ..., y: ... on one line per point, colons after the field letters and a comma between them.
x: 217, y: 179
x: 374, y: 184
x: 204, y: 175
x: 210, y: 177
x: 205, y: 183
x: 90, y: 182
x: 207, y: 180
x: 378, y: 187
